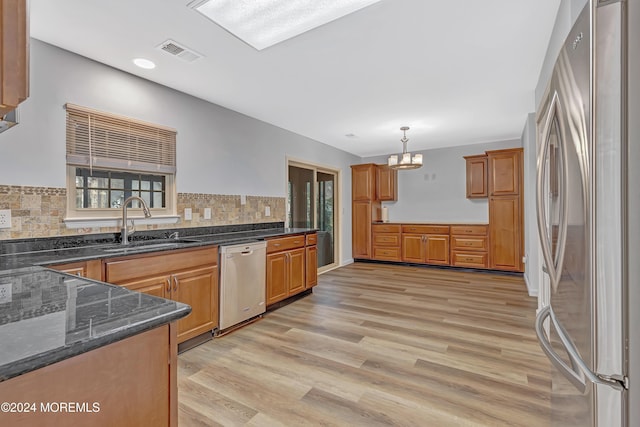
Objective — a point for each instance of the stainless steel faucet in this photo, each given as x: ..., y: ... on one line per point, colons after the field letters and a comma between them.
x: 124, y: 231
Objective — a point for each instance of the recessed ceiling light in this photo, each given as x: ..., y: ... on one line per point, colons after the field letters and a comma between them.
x: 263, y: 23
x: 144, y: 63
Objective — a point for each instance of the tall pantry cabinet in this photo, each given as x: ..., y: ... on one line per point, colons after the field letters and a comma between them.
x: 370, y: 183
x: 506, y: 195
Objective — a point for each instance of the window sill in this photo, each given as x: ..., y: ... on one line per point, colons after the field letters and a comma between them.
x: 117, y: 222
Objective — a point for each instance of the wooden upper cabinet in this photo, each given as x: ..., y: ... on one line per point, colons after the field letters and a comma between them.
x: 505, y: 174
x: 386, y: 183
x: 477, y: 179
x: 14, y: 54
x: 363, y: 182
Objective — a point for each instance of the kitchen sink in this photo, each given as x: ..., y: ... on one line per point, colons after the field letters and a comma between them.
x: 149, y: 244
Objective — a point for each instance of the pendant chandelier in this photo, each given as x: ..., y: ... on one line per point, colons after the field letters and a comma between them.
x: 406, y: 160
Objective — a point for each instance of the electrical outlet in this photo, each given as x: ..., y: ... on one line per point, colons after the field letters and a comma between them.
x: 5, y: 218
x: 207, y: 213
x: 243, y: 199
x: 188, y: 216
x: 267, y: 211
x: 5, y: 293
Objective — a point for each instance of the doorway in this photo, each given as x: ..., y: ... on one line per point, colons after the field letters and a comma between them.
x: 312, y: 197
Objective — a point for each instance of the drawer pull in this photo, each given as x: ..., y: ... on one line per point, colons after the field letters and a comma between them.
x: 296, y: 241
x: 276, y: 244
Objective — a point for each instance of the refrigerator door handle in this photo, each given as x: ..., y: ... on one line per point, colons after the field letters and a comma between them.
x: 553, y: 263
x: 576, y: 360
x: 570, y: 374
x: 575, y: 356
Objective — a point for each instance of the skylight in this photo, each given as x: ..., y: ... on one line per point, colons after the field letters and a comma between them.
x: 263, y: 23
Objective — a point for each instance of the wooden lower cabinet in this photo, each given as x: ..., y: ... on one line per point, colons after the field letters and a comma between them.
x: 413, y: 248
x: 188, y: 276
x: 470, y: 246
x: 437, y: 249
x: 285, y: 274
x: 361, y: 230
x: 89, y: 269
x: 505, y: 233
x: 199, y: 289
x: 292, y: 266
x: 425, y: 248
x: 387, y: 242
x: 133, y: 382
x: 311, y: 269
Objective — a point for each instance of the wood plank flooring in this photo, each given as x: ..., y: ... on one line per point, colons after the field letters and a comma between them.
x: 378, y: 345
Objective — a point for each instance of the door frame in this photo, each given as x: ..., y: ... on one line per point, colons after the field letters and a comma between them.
x: 337, y: 228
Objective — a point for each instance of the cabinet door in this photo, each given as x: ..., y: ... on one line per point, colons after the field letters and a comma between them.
x: 14, y: 58
x: 386, y: 183
x: 413, y: 248
x: 477, y: 179
x: 199, y: 289
x: 159, y: 286
x: 297, y: 261
x: 276, y: 277
x: 361, y: 229
x: 504, y: 172
x: 437, y: 249
x: 89, y: 269
x: 312, y: 266
x: 504, y: 233
x: 363, y: 182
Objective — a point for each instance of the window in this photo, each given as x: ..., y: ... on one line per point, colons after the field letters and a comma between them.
x: 110, y: 158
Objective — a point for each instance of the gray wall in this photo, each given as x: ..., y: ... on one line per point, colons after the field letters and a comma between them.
x: 219, y: 151
x: 567, y: 14
x: 437, y: 191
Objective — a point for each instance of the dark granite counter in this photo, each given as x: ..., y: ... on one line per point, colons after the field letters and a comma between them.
x: 47, y: 316
x: 104, y: 249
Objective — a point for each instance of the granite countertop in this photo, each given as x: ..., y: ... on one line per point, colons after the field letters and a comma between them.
x: 99, y: 250
x: 47, y: 316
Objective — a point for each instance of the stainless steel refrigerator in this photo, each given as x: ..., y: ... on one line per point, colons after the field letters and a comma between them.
x: 588, y: 219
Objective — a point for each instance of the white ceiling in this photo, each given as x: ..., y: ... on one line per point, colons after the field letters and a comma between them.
x: 457, y: 72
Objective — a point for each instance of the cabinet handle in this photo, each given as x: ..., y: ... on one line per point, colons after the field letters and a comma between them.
x: 276, y: 244
x: 168, y: 284
x: 295, y: 242
x: 175, y: 284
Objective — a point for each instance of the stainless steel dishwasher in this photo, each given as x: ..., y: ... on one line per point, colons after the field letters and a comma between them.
x: 243, y: 269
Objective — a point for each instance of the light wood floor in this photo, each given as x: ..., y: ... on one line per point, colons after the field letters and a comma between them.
x: 378, y: 345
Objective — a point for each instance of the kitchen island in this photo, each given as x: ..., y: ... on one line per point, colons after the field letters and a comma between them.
x: 76, y: 351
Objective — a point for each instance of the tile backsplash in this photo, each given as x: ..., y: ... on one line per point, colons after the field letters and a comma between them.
x: 40, y: 212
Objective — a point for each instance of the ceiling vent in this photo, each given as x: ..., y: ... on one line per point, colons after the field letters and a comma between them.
x: 176, y: 49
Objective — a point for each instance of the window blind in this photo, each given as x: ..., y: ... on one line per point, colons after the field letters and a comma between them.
x: 104, y: 140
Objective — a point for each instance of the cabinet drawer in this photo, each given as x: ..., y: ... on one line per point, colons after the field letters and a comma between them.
x: 477, y: 243
x: 117, y: 271
x: 285, y: 243
x: 386, y: 239
x: 386, y: 228
x: 386, y: 253
x: 426, y: 229
x: 469, y: 259
x: 476, y: 230
x: 312, y: 239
